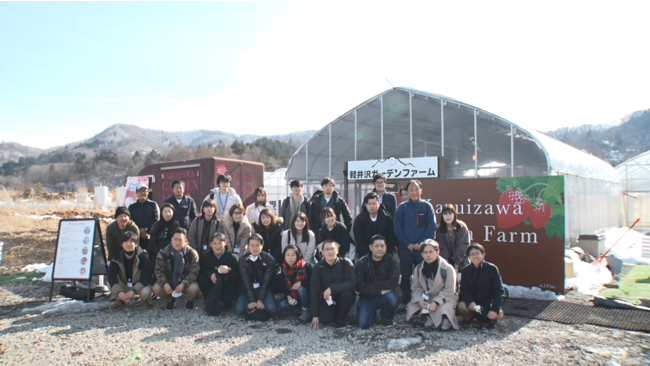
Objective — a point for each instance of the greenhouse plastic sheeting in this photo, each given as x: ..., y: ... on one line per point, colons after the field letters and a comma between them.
x: 635, y: 183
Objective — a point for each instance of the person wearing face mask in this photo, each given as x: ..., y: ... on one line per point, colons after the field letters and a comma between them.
x: 453, y: 237
x: 333, y: 230
x: 300, y: 236
x: 433, y: 291
x: 220, y: 276
x: 161, y: 231
x: 115, y: 229
x: 224, y: 195
x: 271, y: 231
x: 256, y: 269
x: 237, y: 230
x: 129, y: 273
x: 328, y: 197
x: 204, y: 227
x: 254, y: 209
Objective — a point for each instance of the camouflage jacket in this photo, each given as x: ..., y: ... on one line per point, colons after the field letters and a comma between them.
x: 163, y: 269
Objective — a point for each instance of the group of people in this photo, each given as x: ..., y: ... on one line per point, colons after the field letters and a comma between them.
x: 312, y: 258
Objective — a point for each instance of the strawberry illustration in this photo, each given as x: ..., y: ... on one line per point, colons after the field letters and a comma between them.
x: 509, y: 200
x: 540, y: 215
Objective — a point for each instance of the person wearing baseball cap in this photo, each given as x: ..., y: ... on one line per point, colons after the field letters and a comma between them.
x: 117, y: 228
x: 144, y: 212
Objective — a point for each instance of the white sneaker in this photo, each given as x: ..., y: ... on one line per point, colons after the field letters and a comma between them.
x: 446, y: 324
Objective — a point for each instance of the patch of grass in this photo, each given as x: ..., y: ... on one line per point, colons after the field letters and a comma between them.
x: 633, y: 288
x: 23, y: 277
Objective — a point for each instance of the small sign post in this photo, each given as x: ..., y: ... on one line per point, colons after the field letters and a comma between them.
x: 79, y: 252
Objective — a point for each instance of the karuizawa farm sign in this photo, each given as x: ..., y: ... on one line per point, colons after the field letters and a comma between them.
x: 519, y: 221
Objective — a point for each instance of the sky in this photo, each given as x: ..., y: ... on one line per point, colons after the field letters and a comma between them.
x: 70, y: 70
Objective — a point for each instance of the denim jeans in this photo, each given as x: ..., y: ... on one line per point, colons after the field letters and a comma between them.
x: 303, y: 300
x: 407, y: 260
x: 367, y: 306
x: 270, y: 305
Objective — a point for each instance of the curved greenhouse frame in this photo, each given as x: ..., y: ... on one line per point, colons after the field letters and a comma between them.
x: 471, y: 142
x: 635, y: 183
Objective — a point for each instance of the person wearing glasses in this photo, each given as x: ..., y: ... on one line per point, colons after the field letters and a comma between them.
x: 385, y: 198
x: 237, y: 230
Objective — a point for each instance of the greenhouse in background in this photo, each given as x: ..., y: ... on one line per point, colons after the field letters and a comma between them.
x: 635, y: 183
x: 470, y: 143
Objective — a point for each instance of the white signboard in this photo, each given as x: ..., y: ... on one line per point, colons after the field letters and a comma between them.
x: 394, y: 168
x: 74, y: 250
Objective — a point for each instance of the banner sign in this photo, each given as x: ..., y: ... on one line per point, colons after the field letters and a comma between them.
x: 519, y: 220
x: 400, y: 168
x: 79, y: 250
x: 131, y: 189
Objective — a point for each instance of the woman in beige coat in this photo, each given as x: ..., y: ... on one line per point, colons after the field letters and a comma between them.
x: 433, y: 290
x: 237, y: 230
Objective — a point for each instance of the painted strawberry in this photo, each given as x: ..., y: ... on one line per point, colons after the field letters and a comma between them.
x: 540, y: 215
x: 508, y: 213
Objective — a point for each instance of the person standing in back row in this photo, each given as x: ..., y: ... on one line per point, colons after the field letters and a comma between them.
x: 184, y: 205
x: 144, y: 212
x: 224, y: 195
x: 294, y: 204
x: 328, y: 197
x: 414, y: 223
x: 385, y: 198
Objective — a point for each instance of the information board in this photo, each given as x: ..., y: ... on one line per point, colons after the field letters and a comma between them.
x: 79, y: 250
x: 392, y: 168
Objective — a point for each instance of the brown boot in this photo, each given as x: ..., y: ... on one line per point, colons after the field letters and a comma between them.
x: 118, y: 304
x: 145, y: 304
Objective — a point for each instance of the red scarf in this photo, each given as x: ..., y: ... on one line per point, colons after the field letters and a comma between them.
x: 298, y: 270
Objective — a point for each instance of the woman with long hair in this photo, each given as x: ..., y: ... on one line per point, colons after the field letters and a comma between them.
x: 204, y: 227
x: 334, y: 230
x: 291, y: 280
x: 271, y: 231
x: 254, y: 210
x: 300, y: 236
x: 453, y: 237
x: 161, y: 231
x: 237, y: 230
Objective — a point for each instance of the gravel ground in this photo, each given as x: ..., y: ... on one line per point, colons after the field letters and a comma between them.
x: 188, y: 337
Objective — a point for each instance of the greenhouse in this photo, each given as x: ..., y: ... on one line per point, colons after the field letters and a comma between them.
x: 470, y: 143
x: 635, y: 183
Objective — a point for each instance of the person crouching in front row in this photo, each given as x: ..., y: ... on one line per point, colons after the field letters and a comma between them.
x: 129, y: 273
x: 332, y: 288
x: 220, y: 275
x: 433, y: 290
x: 291, y: 282
x: 256, y: 268
x: 481, y: 289
x: 177, y: 269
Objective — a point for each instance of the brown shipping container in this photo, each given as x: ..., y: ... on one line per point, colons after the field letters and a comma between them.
x: 200, y: 175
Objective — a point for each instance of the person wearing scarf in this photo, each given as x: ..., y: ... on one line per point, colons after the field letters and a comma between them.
x: 292, y: 282
x: 177, y: 271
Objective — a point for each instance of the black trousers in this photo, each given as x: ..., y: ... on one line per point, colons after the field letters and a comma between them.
x: 226, y: 291
x: 338, y: 312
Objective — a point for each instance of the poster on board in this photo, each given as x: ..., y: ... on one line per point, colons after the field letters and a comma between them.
x: 79, y: 250
x: 131, y: 189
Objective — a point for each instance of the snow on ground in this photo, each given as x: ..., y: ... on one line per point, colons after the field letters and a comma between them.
x: 67, y: 306
x: 630, y: 247
x: 403, y: 343
x: 534, y: 293
x: 38, y: 267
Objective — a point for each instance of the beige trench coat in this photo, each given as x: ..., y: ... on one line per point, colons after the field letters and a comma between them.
x: 444, y: 293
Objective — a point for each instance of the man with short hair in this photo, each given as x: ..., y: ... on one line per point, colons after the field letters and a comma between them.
x: 403, y: 194
x: 332, y: 288
x: 223, y: 195
x: 373, y: 220
x: 220, y: 276
x: 481, y: 288
x: 414, y: 223
x: 144, y: 212
x: 116, y: 229
x: 377, y: 274
x: 295, y: 203
x: 328, y: 197
x: 385, y: 198
x: 177, y: 269
x: 129, y: 273
x: 184, y: 205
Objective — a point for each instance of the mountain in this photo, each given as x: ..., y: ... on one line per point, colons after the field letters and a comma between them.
x: 126, y: 139
x: 12, y: 151
x: 614, y: 142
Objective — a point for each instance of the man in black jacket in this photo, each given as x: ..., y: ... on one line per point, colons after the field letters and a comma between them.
x: 377, y: 274
x: 481, y: 289
x: 328, y: 197
x: 256, y: 269
x: 184, y: 205
x: 144, y: 212
x: 293, y: 204
x: 219, y: 276
x: 332, y: 288
x: 370, y: 222
x: 129, y: 273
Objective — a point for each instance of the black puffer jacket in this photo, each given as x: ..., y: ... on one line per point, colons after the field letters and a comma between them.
x: 272, y: 241
x: 371, y: 283
x: 338, y: 277
x: 208, y: 264
x: 160, y: 236
x: 339, y: 206
x: 339, y: 234
x: 259, y: 271
x: 364, y: 229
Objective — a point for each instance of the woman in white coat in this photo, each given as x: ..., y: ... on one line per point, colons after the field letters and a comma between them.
x: 254, y: 209
x: 300, y: 236
x: 433, y: 290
